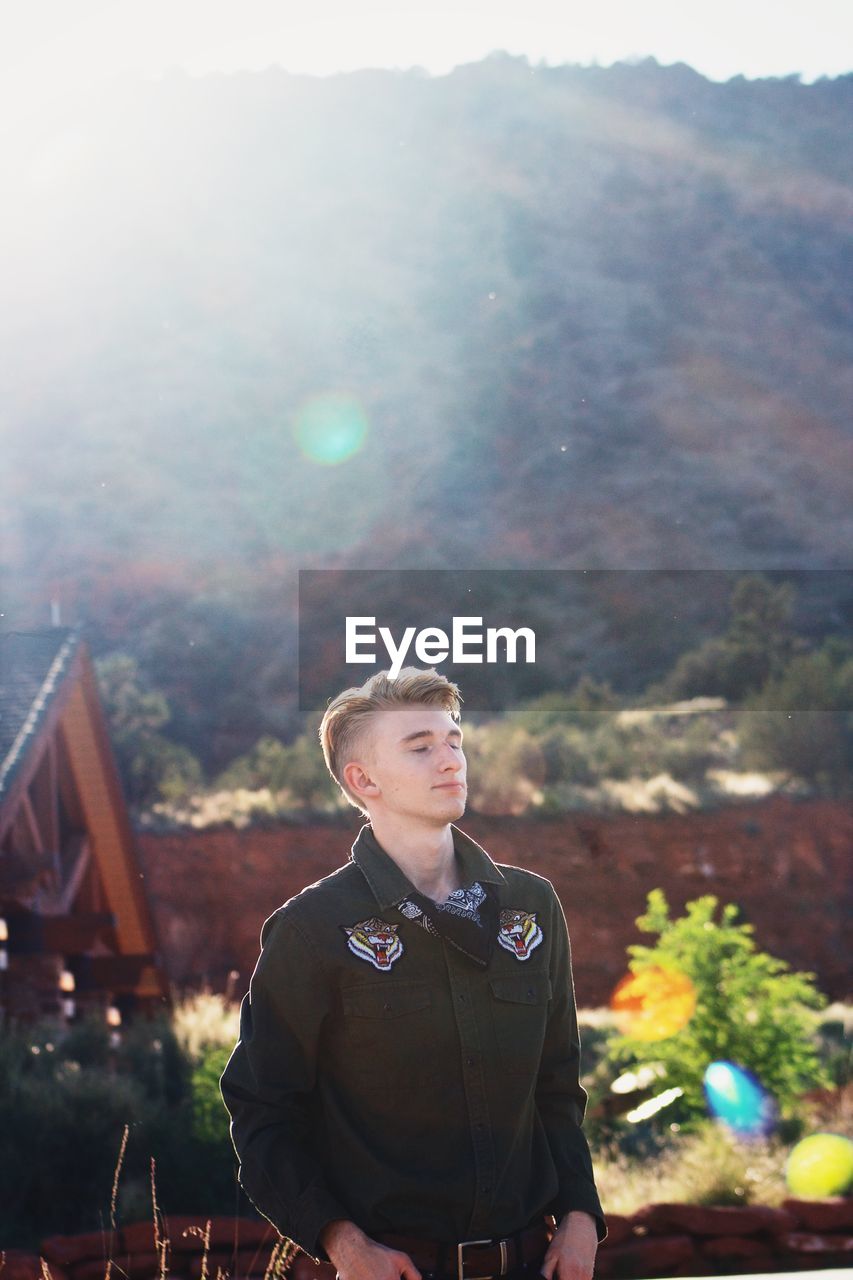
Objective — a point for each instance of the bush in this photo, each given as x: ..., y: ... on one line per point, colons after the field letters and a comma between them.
x: 153, y: 767
x: 210, y: 1119
x: 505, y: 768
x: 801, y: 722
x: 750, y: 1009
x: 66, y: 1096
x: 61, y: 1127
x: 588, y: 704
x: 205, y: 1020
x: 296, y: 773
x: 754, y: 648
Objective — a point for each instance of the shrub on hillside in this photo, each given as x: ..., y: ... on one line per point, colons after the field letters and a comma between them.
x: 754, y: 647
x: 587, y: 705
x: 802, y: 721
x: 295, y: 772
x: 153, y: 767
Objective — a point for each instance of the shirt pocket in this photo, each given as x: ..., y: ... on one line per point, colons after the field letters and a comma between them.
x: 520, y: 1015
x: 386, y: 1033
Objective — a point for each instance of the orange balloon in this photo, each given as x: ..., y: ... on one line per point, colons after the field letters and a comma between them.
x: 654, y: 1003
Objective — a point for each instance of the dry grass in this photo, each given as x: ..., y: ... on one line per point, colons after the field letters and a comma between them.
x: 205, y: 1020
x: 709, y: 1167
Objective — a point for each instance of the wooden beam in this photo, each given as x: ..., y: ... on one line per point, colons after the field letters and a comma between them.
x: 79, y: 858
x: 109, y: 973
x: 53, y: 793
x: 74, y: 934
x: 41, y: 793
x: 65, y: 780
x: 98, y: 785
x: 59, y: 899
x: 32, y: 823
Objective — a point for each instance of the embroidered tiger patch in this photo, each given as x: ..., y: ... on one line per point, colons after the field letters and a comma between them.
x: 519, y: 933
x: 375, y: 941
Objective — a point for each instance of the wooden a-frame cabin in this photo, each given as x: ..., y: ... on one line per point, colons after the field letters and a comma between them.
x: 76, y: 930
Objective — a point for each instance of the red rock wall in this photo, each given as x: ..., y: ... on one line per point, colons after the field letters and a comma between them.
x: 658, y: 1240
x: 785, y: 862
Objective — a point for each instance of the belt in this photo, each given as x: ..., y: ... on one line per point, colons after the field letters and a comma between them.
x: 475, y: 1259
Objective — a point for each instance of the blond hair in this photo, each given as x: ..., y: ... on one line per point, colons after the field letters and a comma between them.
x: 348, y: 716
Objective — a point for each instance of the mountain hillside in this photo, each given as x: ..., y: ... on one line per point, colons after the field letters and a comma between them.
x: 515, y: 316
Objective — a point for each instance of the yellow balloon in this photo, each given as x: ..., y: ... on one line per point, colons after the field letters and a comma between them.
x: 654, y: 1003
x: 821, y: 1165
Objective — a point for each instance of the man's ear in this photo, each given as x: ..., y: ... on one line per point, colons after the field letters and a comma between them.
x: 359, y: 781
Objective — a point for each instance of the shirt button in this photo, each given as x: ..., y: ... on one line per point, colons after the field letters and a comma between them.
x: 471, y: 1061
x: 461, y: 999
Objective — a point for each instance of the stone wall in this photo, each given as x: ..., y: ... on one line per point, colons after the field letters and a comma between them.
x: 785, y: 862
x: 658, y: 1240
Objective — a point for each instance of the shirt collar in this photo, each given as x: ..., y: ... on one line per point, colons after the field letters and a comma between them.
x: 390, y: 885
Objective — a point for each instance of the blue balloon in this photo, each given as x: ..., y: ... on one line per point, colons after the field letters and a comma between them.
x: 737, y: 1097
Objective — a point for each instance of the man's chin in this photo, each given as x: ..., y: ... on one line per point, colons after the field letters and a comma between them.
x: 454, y: 801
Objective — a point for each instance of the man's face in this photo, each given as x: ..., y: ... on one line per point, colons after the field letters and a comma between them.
x: 414, y: 761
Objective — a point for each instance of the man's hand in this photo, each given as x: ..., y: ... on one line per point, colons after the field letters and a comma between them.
x: 356, y: 1257
x: 571, y: 1253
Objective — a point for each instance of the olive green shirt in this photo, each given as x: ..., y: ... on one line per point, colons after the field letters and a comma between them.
x: 384, y: 1077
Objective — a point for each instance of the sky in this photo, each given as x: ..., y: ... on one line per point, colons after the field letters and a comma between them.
x: 47, y: 46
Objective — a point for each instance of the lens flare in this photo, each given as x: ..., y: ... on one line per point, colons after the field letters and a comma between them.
x: 330, y: 428
x: 821, y: 1165
x: 654, y: 1003
x: 737, y: 1097
x: 651, y: 1107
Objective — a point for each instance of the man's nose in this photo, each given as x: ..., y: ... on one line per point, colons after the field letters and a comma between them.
x: 453, y: 759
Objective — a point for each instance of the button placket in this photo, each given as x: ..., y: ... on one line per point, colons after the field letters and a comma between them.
x: 471, y: 1050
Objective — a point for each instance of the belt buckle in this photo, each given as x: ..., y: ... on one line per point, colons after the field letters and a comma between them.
x: 460, y: 1259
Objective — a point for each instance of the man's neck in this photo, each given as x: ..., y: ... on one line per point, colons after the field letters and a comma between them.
x: 424, y: 854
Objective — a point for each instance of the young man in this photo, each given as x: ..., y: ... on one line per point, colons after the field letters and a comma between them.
x: 404, y: 1095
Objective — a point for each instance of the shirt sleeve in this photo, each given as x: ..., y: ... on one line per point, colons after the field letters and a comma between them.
x: 560, y: 1097
x: 268, y: 1085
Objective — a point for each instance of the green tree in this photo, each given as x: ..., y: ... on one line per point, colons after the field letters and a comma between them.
x: 802, y: 722
x: 296, y: 769
x: 264, y: 766
x: 153, y: 767
x: 755, y: 646
x: 585, y: 707
x: 134, y: 712
x: 750, y: 1008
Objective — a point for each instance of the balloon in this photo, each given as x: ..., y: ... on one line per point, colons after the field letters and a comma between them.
x: 821, y: 1165
x: 737, y: 1097
x: 654, y: 1003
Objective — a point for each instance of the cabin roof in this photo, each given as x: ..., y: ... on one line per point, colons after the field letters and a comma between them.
x: 33, y: 666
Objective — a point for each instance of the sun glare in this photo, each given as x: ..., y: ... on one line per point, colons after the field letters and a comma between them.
x: 330, y: 428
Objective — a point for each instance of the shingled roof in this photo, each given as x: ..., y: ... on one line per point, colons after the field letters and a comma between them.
x: 33, y: 665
